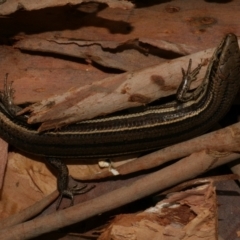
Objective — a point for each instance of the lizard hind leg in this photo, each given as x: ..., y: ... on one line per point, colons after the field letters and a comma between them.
x: 63, y: 179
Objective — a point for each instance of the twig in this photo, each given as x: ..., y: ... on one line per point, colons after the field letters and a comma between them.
x: 200, y: 181
x: 226, y: 139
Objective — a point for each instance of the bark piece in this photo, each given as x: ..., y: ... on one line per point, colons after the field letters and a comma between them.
x: 115, y: 93
x: 128, y: 56
x: 38, y: 77
x: 10, y: 6
x: 190, y: 214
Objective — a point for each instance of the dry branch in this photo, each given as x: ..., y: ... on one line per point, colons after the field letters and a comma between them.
x: 223, y: 140
x: 183, y: 170
x: 199, y: 182
x: 115, y: 93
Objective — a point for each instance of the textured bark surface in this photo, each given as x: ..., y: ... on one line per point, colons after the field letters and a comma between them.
x: 190, y: 214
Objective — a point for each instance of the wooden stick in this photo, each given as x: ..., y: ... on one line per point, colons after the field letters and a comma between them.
x: 115, y: 93
x: 226, y: 139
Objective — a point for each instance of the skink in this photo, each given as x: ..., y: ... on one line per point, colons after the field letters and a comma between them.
x: 192, y: 113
